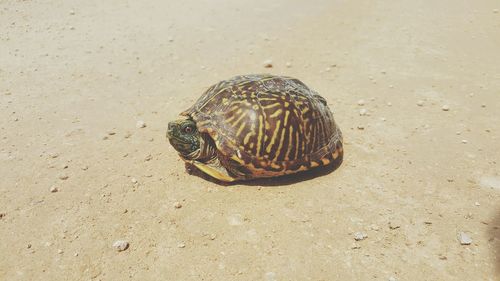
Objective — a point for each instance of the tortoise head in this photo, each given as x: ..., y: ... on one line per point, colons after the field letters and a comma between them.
x: 184, y: 137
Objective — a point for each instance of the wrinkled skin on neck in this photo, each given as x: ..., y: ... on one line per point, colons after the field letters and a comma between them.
x: 185, y: 138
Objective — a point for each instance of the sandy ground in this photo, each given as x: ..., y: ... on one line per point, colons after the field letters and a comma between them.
x: 76, y: 76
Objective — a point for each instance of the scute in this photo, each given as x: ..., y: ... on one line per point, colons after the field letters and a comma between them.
x: 269, y: 125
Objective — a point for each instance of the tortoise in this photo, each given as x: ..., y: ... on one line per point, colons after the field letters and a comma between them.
x: 257, y: 126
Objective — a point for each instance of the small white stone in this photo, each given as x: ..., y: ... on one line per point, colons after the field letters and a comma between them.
x: 464, y: 239
x: 177, y: 205
x: 71, y: 12
x: 363, y: 112
x: 133, y: 180
x: 464, y: 141
x: 477, y: 204
x: 328, y: 69
x: 181, y: 245
x: 268, y: 63
x: 54, y: 189
x: 358, y: 236
x: 445, y: 107
x: 288, y: 64
x: 391, y: 86
x: 420, y: 103
x: 140, y: 124
x: 120, y: 245
x: 383, y: 119
x: 361, y: 102
x: 389, y: 104
x: 60, y: 251
x: 392, y: 279
x: 212, y: 236
x: 235, y: 219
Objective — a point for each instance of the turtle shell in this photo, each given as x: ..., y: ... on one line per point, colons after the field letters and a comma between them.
x: 264, y: 125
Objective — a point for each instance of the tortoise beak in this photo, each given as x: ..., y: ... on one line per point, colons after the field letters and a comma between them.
x: 171, y: 128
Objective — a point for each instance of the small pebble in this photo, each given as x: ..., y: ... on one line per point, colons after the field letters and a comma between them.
x: 477, y: 204
x: 361, y: 127
x: 63, y: 177
x: 361, y: 102
x: 54, y: 189
x: 71, y: 12
x: 483, y: 105
x: 394, y: 225
x: 2, y: 215
x: 391, y: 86
x: 212, y: 236
x: 389, y: 104
x: 328, y: 69
x: 181, y: 245
x: 120, y: 245
x: 288, y: 64
x: 363, y: 112
x: 420, y: 103
x: 60, y: 251
x: 177, y: 205
x: 149, y: 157
x: 111, y: 133
x: 464, y: 239
x: 392, y: 279
x: 140, y: 124
x: 445, y: 107
x: 358, y: 236
x: 464, y: 141
x: 75, y: 254
x: 495, y: 11
x: 170, y: 39
x: 133, y: 180
x: 268, y: 63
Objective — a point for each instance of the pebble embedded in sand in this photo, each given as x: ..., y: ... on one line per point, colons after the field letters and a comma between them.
x: 235, y: 219
x: 363, y: 112
x: 133, y: 180
x: 63, y: 177
x: 72, y: 12
x: 181, y: 245
x: 120, y: 245
x: 445, y: 107
x: 358, y: 236
x: 53, y: 189
x: 212, y: 236
x: 288, y: 64
x: 361, y: 127
x: 394, y: 225
x: 495, y: 11
x: 464, y: 238
x: 420, y: 103
x: 268, y: 63
x: 389, y: 104
x: 361, y: 102
x: 177, y: 205
x: 140, y: 124
x: 477, y: 204
x: 464, y: 141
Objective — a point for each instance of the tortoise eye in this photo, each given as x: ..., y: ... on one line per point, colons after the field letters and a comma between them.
x: 188, y: 130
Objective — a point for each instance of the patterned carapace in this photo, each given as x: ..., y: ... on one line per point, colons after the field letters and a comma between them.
x: 264, y: 125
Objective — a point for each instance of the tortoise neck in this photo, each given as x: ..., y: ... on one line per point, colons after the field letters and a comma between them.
x: 207, y: 151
